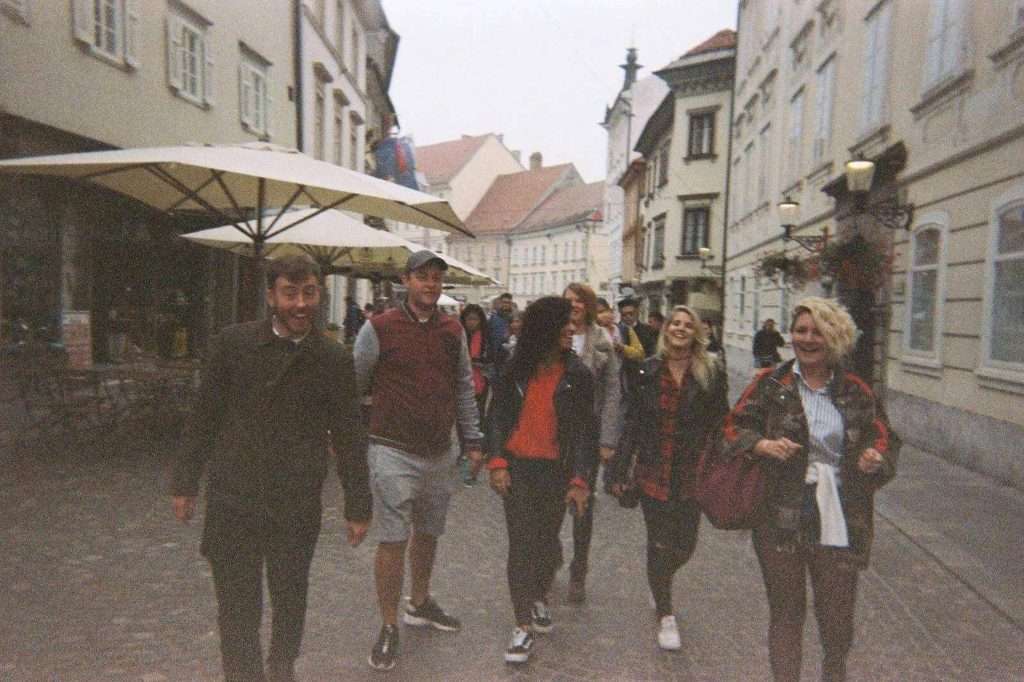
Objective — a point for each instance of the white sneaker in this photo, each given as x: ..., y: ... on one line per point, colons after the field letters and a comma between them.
x: 668, y: 634
x: 519, y: 647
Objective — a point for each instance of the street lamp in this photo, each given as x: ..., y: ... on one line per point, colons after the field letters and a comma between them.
x: 860, y: 173
x: 789, y: 216
x: 705, y: 255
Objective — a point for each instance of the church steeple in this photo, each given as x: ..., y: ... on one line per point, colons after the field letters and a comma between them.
x: 630, y: 67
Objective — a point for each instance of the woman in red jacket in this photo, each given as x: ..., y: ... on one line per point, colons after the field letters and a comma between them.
x: 542, y: 444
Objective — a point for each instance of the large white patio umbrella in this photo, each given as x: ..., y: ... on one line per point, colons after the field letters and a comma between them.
x: 256, y: 182
x: 339, y: 243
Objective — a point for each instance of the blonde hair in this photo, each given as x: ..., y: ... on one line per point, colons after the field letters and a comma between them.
x: 702, y: 363
x: 834, y: 324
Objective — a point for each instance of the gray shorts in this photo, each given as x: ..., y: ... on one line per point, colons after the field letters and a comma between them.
x: 410, y: 491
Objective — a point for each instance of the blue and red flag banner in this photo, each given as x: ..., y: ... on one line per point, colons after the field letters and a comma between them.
x: 396, y: 161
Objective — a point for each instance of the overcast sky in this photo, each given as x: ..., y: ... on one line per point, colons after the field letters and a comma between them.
x: 539, y: 71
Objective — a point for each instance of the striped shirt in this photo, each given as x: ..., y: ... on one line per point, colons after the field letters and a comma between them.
x: 824, y: 422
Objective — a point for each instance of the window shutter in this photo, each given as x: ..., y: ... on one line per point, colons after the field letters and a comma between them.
x: 131, y: 33
x: 268, y: 110
x: 82, y: 21
x: 174, y: 53
x: 207, y: 73
x: 955, y: 47
x: 243, y: 95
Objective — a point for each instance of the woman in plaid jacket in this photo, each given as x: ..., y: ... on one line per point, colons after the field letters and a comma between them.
x: 828, y: 447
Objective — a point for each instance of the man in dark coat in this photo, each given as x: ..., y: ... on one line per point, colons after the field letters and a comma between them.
x: 274, y: 394
x: 629, y: 317
x: 767, y: 342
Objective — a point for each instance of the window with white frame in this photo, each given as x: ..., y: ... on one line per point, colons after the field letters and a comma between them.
x: 824, y: 96
x: 339, y: 26
x: 764, y: 144
x: 658, y: 247
x: 663, y: 157
x: 874, y: 99
x: 1018, y: 14
x: 702, y: 135
x: 338, y: 137
x: 794, y: 146
x: 743, y: 298
x: 695, y: 230
x: 921, y: 332
x: 319, y: 114
x: 947, y: 40
x: 737, y: 184
x: 746, y: 191
x: 189, y: 58
x: 254, y: 93
x: 1005, y: 347
x: 108, y: 27
x: 355, y: 123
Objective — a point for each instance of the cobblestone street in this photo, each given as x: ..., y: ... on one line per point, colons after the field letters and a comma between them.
x: 99, y: 583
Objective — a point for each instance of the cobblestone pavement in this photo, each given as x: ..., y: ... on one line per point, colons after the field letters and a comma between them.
x: 99, y: 583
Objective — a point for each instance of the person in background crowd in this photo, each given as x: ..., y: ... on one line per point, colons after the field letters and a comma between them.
x: 542, y: 444
x: 415, y: 362
x: 497, y: 323
x: 767, y: 342
x: 273, y: 394
x: 655, y: 320
x: 630, y: 351
x: 369, y: 310
x: 714, y: 346
x: 594, y: 348
x: 353, y: 318
x: 474, y: 322
x: 675, y: 410
x: 828, y: 446
x: 515, y: 327
x: 629, y: 316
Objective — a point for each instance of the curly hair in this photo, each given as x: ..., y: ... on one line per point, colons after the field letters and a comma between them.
x: 833, y: 322
x: 702, y: 363
x: 543, y: 321
x: 589, y: 298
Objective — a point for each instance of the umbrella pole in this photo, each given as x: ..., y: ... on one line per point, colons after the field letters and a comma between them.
x: 261, y: 279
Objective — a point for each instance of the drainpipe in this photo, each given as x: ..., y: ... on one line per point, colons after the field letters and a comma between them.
x: 297, y: 42
x: 728, y: 176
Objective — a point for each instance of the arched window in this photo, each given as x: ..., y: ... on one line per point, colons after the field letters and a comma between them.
x: 922, y: 331
x: 1005, y: 327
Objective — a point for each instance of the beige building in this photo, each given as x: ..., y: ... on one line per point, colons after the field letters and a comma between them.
x: 460, y: 172
x: 623, y: 121
x: 348, y: 54
x: 933, y: 92
x: 561, y: 241
x: 87, y: 75
x: 683, y: 207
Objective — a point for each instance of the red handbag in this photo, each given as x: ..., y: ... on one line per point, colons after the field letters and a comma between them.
x: 733, y: 492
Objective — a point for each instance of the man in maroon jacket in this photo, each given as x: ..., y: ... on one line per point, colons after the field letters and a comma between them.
x: 414, y: 362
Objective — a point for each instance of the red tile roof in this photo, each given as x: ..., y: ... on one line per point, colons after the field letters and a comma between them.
x: 511, y: 197
x: 723, y: 40
x: 440, y: 162
x: 567, y: 205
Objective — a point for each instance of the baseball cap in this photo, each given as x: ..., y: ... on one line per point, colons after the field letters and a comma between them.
x: 422, y: 258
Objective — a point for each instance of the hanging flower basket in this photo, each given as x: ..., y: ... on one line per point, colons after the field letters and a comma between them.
x: 856, y: 263
x: 782, y: 268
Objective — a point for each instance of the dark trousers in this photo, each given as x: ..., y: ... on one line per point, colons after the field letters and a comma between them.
x: 834, y: 583
x: 534, y: 508
x: 238, y: 583
x: 672, y: 528
x: 582, y: 532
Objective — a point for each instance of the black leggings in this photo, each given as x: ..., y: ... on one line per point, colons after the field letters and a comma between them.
x: 671, y: 538
x: 534, y: 508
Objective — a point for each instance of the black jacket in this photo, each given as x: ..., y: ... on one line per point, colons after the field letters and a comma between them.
x: 702, y: 412
x: 574, y: 410
x: 260, y: 430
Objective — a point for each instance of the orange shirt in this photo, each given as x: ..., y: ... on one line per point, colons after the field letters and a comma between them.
x: 536, y: 432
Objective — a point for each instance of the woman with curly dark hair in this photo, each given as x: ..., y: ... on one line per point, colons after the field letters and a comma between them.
x: 542, y: 442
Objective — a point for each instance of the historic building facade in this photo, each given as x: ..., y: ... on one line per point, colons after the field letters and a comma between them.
x: 928, y: 258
